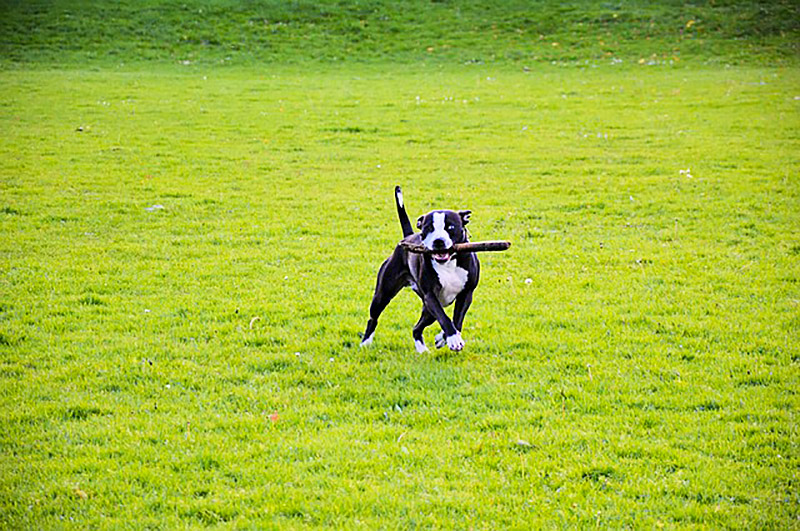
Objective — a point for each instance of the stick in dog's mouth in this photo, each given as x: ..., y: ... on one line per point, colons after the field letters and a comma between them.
x: 466, y: 247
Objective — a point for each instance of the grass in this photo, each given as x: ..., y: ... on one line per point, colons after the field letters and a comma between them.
x: 225, y: 32
x: 188, y: 255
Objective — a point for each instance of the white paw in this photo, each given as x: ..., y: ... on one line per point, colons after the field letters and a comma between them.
x: 455, y: 342
x: 367, y: 341
x: 420, y: 346
x: 439, y: 340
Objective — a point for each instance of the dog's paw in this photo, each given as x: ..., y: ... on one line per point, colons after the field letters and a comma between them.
x: 439, y: 340
x: 367, y: 341
x: 420, y: 346
x: 455, y: 342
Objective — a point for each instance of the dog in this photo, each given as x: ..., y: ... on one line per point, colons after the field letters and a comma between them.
x: 440, y: 278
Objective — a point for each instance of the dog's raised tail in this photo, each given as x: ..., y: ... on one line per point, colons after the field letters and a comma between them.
x: 401, y: 212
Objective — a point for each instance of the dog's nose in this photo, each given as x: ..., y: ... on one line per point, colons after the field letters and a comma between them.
x: 438, y: 243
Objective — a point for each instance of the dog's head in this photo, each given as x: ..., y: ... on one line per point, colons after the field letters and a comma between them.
x: 441, y: 229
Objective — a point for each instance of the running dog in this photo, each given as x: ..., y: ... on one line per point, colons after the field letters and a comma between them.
x: 440, y: 277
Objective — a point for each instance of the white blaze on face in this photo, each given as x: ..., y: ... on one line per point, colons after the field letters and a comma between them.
x: 438, y: 232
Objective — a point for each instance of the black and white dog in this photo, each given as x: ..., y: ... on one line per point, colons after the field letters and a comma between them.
x: 439, y: 278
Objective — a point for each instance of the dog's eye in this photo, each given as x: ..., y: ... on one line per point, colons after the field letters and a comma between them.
x: 451, y: 227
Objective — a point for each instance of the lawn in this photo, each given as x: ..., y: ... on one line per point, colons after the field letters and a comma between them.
x: 189, y: 247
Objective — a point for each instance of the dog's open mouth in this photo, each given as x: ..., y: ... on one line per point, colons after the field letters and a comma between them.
x: 442, y: 257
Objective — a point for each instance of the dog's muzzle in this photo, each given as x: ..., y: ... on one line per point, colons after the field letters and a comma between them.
x: 440, y: 250
x: 442, y: 256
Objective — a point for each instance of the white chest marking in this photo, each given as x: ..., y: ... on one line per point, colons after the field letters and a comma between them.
x: 452, y: 278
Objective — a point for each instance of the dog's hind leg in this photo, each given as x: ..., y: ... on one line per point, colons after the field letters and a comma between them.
x: 425, y: 320
x: 384, y: 293
x: 379, y: 302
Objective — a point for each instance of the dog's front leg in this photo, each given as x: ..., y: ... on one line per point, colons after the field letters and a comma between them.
x: 463, y: 302
x: 451, y: 333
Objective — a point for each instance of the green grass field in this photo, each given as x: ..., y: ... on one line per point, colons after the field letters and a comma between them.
x: 190, y: 243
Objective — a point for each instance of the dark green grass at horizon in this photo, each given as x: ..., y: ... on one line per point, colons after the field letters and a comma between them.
x: 241, y: 33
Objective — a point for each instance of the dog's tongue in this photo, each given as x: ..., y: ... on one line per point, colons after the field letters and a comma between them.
x: 441, y: 257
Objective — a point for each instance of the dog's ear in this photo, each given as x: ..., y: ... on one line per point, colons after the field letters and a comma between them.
x: 465, y: 214
x: 419, y: 222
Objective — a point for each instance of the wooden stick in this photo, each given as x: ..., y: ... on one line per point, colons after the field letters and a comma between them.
x: 468, y: 247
